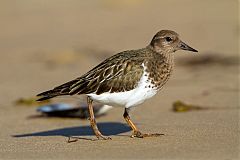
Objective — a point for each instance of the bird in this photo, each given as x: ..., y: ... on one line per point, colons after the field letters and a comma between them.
x: 126, y: 79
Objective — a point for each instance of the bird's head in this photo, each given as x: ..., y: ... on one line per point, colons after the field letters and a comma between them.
x: 168, y: 42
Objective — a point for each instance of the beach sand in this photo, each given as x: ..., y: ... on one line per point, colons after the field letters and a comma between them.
x: 46, y: 43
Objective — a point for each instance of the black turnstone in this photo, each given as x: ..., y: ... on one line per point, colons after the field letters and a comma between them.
x: 126, y: 79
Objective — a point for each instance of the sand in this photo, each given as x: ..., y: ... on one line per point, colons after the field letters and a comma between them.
x: 46, y: 43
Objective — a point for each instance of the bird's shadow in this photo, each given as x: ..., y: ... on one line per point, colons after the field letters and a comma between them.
x: 107, y: 128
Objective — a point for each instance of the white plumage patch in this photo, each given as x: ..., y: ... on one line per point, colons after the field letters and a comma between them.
x: 142, y: 92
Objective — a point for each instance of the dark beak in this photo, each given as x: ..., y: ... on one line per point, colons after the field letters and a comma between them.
x: 184, y: 46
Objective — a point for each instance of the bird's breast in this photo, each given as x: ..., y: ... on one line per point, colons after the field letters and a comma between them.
x: 159, y: 70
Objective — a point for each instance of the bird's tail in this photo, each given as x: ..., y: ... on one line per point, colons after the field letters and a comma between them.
x: 63, y: 89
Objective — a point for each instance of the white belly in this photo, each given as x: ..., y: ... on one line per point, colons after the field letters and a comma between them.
x: 128, y: 99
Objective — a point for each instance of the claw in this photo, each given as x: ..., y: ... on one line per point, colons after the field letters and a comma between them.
x: 105, y: 138
x: 138, y: 134
x: 72, y: 140
x: 101, y: 137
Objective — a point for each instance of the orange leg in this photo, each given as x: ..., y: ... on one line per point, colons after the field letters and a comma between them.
x: 93, y: 121
x: 136, y: 132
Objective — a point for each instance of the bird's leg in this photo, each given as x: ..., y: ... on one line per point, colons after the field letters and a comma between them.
x: 136, y: 132
x: 130, y: 123
x: 93, y: 121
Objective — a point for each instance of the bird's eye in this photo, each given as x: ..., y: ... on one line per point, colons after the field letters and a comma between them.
x: 168, y: 39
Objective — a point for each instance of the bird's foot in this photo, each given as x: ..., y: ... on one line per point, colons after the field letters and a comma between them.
x: 72, y: 139
x: 138, y: 134
x: 102, y: 137
x: 99, y: 137
x: 75, y: 139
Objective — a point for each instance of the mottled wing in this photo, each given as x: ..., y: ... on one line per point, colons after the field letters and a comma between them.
x: 118, y: 73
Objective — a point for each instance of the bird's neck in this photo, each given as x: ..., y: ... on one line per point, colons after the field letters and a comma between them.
x: 168, y: 57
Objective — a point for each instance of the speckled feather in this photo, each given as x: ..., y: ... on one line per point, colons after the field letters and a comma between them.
x: 122, y: 72
x: 118, y: 73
